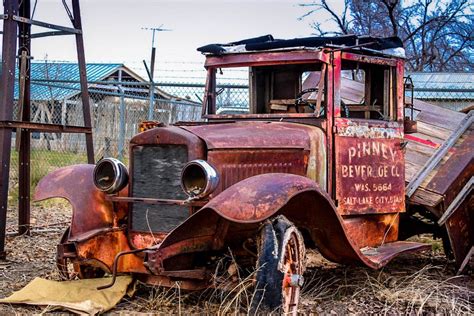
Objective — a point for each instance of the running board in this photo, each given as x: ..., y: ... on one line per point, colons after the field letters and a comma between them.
x: 381, y: 255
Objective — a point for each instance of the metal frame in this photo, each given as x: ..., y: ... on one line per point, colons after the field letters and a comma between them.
x: 17, y: 16
x: 460, y: 198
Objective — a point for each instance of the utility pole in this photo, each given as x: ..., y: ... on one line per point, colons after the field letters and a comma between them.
x: 151, y: 70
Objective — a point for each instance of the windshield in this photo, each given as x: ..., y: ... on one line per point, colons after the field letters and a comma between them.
x: 268, y: 90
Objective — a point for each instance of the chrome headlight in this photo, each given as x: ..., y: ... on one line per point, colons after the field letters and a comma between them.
x: 110, y: 175
x: 199, y: 179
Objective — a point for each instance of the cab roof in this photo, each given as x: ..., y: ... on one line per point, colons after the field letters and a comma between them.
x: 382, y: 46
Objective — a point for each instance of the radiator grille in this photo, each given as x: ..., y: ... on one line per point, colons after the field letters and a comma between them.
x: 156, y: 174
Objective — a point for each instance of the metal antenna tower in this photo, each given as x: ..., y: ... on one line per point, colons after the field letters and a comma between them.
x: 151, y: 70
x: 17, y: 22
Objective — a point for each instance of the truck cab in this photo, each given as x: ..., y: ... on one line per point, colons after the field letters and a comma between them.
x: 357, y: 138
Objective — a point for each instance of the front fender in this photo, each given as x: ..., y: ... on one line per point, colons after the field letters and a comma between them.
x: 243, y: 206
x: 258, y: 198
x: 91, y: 210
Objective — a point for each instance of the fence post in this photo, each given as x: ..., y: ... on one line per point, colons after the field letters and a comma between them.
x: 151, y: 110
x: 227, y: 101
x: 151, y: 93
x: 121, y: 140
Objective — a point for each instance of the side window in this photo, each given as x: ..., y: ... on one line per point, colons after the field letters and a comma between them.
x: 232, y: 91
x: 368, y: 92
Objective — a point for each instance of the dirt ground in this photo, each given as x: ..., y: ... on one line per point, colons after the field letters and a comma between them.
x: 411, y: 284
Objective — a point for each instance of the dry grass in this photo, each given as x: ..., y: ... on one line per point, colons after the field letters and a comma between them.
x: 234, y: 297
x: 412, y: 284
x: 419, y: 292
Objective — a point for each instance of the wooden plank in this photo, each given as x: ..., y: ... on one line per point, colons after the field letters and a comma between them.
x: 367, y: 89
x: 411, y: 170
x: 278, y: 107
x: 417, y: 154
x: 432, y: 130
x: 320, y: 89
x: 283, y: 101
x: 466, y: 260
x: 426, y: 198
x: 420, y: 148
x: 416, y: 158
x: 437, y: 115
x: 453, y: 172
x: 427, y: 139
x: 439, y: 154
x: 386, y: 92
x: 363, y: 108
x: 352, y: 90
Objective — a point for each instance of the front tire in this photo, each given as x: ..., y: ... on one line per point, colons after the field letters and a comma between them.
x: 280, y: 267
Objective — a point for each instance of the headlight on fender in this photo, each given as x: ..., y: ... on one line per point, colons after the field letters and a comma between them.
x: 110, y: 175
x: 199, y: 178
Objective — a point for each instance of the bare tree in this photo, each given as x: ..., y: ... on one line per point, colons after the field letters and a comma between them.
x: 342, y: 20
x: 437, y: 34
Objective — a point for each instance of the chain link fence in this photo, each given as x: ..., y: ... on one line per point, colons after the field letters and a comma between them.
x: 117, y: 108
x: 455, y: 99
x: 454, y: 91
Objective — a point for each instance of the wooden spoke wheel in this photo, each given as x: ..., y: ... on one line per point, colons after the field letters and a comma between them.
x: 280, y: 267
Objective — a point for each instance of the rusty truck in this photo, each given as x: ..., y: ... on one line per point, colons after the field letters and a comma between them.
x: 299, y: 162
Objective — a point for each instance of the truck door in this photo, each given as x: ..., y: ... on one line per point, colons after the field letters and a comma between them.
x: 369, y: 160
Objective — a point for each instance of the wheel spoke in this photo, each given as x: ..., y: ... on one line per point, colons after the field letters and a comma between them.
x: 291, y: 267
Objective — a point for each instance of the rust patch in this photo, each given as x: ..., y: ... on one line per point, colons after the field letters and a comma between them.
x: 105, y: 247
x: 372, y: 230
x: 236, y: 165
x: 460, y: 228
x: 367, y: 130
x: 251, y: 135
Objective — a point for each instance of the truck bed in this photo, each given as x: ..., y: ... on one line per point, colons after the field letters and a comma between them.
x: 435, y: 126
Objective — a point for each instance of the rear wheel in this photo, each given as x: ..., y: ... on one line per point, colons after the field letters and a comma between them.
x: 280, y: 267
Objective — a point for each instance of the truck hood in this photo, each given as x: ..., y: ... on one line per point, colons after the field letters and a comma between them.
x: 234, y: 136
x: 253, y: 135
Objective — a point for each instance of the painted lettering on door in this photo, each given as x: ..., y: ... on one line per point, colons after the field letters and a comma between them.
x: 369, y: 175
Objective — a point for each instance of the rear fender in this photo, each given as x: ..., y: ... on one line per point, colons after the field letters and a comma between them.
x: 244, y: 206
x: 92, y: 212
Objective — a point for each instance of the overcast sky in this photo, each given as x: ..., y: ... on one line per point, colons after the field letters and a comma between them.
x: 113, y: 28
